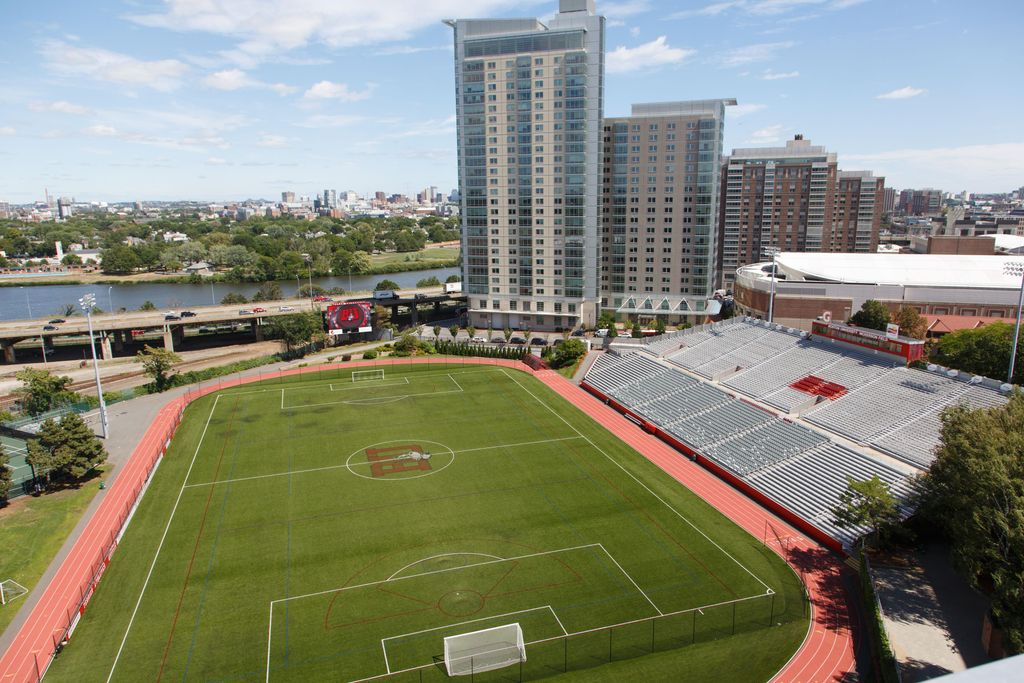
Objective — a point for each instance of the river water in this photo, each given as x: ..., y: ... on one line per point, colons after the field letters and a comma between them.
x: 38, y: 301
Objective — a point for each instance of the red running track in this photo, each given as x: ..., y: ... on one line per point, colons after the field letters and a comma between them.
x: 826, y: 654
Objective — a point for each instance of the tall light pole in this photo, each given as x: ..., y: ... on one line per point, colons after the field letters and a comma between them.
x: 27, y: 302
x: 87, y: 303
x: 773, y: 252
x: 110, y: 299
x: 1015, y: 268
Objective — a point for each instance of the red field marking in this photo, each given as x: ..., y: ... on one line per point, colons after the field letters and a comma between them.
x: 390, y: 465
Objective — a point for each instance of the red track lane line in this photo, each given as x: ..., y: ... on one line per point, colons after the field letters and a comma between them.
x: 827, y: 650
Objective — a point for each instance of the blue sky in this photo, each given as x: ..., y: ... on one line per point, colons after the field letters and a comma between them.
x: 191, y: 99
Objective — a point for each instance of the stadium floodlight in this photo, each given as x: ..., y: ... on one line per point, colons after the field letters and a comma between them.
x: 88, y: 302
x: 1016, y: 269
x: 471, y: 653
x: 773, y: 252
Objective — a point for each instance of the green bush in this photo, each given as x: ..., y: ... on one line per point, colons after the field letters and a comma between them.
x: 370, y: 354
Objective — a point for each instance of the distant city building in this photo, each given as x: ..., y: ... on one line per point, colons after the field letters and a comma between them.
x: 888, y: 200
x: 330, y: 199
x: 287, y: 197
x: 856, y: 213
x: 175, y: 237
x: 921, y: 202
x: 64, y: 210
x: 522, y: 267
x: 5, y: 210
x: 660, y: 213
x: 380, y: 196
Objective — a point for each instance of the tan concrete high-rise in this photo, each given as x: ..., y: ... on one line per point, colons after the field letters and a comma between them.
x: 660, y: 209
x: 856, y: 213
x: 529, y: 101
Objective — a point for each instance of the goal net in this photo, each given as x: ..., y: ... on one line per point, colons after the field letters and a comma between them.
x: 9, y: 590
x: 364, y: 375
x: 485, y: 650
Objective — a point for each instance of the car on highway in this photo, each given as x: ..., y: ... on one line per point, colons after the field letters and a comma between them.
x: 578, y: 332
x: 245, y: 311
x: 558, y: 342
x: 516, y: 339
x: 321, y: 297
x: 259, y: 310
x: 172, y: 316
x: 479, y: 339
x: 539, y: 341
x: 285, y: 308
x: 49, y: 328
x: 188, y: 314
x: 57, y: 321
x: 499, y: 340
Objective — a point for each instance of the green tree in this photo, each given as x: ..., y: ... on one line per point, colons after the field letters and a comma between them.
x: 429, y: 282
x: 119, y: 260
x: 5, y: 475
x: 71, y: 260
x: 911, y: 323
x: 268, y: 291
x: 872, y: 314
x: 157, y: 363
x: 568, y: 352
x: 297, y: 329
x: 471, y: 331
x: 147, y: 305
x: 65, y: 448
x: 406, y: 345
x: 453, y: 278
x: 508, y: 334
x: 42, y: 391
x: 385, y: 285
x: 637, y: 331
x: 974, y: 492
x: 613, y: 331
x: 659, y: 325
x: 981, y: 351
x: 234, y: 298
x: 437, y: 333
x: 867, y: 503
x: 350, y: 262
x: 454, y: 331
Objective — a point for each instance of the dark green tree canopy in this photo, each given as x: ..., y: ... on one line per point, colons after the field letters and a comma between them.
x: 296, y: 329
x: 157, y: 363
x: 65, y: 448
x: 872, y: 314
x: 42, y: 391
x: 982, y: 351
x: 568, y: 352
x: 867, y: 503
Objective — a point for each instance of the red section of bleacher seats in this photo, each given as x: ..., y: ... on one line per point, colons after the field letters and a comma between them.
x: 816, y: 386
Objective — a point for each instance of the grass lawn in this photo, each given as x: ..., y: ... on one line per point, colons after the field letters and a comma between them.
x: 308, y: 538
x: 32, y: 530
x: 569, y: 371
x: 441, y: 255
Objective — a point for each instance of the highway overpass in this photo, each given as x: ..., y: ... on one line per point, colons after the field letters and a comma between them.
x: 114, y: 330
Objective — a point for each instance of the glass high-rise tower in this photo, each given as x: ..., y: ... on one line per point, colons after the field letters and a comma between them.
x: 529, y: 102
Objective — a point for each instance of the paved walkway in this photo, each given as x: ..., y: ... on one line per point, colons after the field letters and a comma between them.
x: 933, y: 617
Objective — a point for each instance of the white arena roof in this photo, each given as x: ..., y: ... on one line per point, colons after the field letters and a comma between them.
x: 908, y: 270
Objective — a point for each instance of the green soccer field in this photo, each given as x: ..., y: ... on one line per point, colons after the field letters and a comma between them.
x: 331, y: 529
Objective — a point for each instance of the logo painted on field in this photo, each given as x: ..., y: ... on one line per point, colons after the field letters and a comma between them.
x: 397, y: 459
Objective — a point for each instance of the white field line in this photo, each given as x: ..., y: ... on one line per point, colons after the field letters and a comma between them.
x: 646, y: 488
x: 572, y: 634
x: 343, y: 466
x: 163, y: 538
x: 322, y: 383
x: 332, y: 403
x: 385, y: 649
x: 435, y: 571
x: 635, y: 585
x: 434, y: 557
x: 270, y: 634
x: 474, y: 621
x: 456, y: 383
x: 349, y: 387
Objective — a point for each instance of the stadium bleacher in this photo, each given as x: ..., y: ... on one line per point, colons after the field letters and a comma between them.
x: 869, y: 398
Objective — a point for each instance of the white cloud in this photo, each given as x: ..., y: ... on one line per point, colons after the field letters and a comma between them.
x: 646, y: 56
x: 330, y: 121
x: 712, y: 10
x: 236, y: 79
x: 764, y: 7
x: 427, y: 129
x: 983, y: 168
x: 266, y: 30
x: 268, y: 140
x: 7, y: 130
x: 101, y: 130
x: 904, y: 93
x: 59, y: 107
x: 770, y: 75
x: 635, y: 31
x: 328, y: 90
x: 411, y: 49
x: 767, y: 135
x: 740, y: 110
x: 750, y: 54
x: 113, y: 67
x: 216, y: 161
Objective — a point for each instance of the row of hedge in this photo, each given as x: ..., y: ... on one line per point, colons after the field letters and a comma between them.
x: 886, y: 660
x: 450, y: 348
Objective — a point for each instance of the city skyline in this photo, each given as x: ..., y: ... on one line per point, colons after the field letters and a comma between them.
x: 119, y: 101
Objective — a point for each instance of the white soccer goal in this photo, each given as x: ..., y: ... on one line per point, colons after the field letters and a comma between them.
x: 485, y: 650
x: 366, y: 375
x: 9, y: 590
